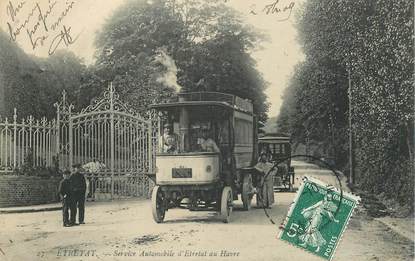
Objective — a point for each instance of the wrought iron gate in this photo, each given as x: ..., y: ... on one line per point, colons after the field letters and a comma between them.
x: 107, y: 134
x: 116, y: 142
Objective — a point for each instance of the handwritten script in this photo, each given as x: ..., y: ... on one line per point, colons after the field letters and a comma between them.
x: 41, y: 25
x: 281, y: 9
x: 275, y: 8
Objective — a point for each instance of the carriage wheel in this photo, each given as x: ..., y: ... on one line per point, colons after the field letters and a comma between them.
x: 247, y: 194
x: 226, y: 204
x: 157, y: 199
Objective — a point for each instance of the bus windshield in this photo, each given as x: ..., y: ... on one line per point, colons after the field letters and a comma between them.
x: 196, y: 129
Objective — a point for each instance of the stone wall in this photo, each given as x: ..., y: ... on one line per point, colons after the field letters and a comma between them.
x: 26, y: 190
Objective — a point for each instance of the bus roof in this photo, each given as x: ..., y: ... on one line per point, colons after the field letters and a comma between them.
x: 274, y: 139
x: 190, y: 103
x: 224, y: 100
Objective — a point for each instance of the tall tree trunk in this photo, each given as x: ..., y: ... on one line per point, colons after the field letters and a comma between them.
x: 409, y: 140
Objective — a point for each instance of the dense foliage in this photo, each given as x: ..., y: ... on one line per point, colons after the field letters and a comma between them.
x: 371, y: 41
x: 31, y: 84
x: 149, y: 49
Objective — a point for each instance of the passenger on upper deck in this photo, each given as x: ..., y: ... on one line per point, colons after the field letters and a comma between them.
x: 207, y: 144
x: 170, y: 139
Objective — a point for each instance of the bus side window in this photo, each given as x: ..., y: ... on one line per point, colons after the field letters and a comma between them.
x: 223, y: 138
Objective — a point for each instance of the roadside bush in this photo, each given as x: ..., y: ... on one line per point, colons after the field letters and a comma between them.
x: 28, y: 168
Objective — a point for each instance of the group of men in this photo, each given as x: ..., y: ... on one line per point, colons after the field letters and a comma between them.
x: 171, y: 141
x: 72, y: 191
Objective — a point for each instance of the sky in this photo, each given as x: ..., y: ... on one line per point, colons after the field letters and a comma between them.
x: 42, y: 34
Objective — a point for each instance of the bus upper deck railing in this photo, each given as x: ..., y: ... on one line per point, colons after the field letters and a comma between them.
x: 233, y: 100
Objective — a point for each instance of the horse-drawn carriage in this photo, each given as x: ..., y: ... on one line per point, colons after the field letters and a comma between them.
x: 208, y: 145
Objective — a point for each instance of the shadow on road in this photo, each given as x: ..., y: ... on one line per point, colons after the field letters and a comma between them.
x: 255, y: 216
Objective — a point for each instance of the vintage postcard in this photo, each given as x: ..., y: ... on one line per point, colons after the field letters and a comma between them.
x: 183, y: 130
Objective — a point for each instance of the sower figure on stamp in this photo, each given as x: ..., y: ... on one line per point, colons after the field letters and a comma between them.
x: 265, y: 194
x: 65, y: 195
x: 314, y: 215
x: 78, y: 189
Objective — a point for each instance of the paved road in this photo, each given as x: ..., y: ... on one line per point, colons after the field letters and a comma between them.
x: 124, y: 230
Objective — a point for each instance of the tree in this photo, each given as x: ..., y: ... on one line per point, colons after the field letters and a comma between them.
x: 206, y: 40
x: 373, y: 41
x: 314, y: 107
x: 61, y: 71
x: 32, y: 84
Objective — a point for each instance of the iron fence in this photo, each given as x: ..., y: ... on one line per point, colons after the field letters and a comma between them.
x: 29, y: 141
x: 107, y: 131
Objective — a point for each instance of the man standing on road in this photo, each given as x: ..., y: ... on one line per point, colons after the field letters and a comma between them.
x: 265, y: 195
x: 78, y: 189
x: 65, y: 195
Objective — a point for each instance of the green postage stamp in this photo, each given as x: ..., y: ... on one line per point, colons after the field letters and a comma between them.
x: 318, y: 218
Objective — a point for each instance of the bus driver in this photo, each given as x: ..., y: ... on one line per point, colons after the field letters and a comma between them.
x: 170, y: 139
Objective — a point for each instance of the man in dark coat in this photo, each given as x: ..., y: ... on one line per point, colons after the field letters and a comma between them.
x: 65, y: 195
x: 78, y: 189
